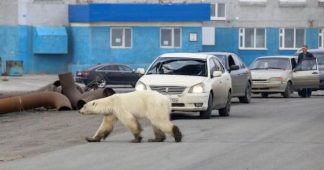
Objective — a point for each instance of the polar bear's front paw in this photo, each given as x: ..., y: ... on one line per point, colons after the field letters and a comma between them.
x: 89, y: 139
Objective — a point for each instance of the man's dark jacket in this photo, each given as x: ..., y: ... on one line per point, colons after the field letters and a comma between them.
x: 302, y: 57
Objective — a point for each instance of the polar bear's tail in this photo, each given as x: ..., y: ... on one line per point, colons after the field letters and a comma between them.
x: 176, y: 133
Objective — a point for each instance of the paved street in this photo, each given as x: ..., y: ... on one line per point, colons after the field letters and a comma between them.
x: 272, y: 133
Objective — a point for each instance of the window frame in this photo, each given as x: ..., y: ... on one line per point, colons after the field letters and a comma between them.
x: 172, y: 37
x: 282, y: 38
x: 123, y: 37
x: 216, y: 17
x: 242, y: 37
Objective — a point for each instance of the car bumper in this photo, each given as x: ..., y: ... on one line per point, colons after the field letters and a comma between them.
x: 189, y: 102
x: 267, y: 86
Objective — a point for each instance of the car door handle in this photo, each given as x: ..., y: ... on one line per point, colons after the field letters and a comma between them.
x: 315, y: 73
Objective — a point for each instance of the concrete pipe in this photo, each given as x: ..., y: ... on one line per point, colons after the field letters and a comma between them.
x: 69, y: 89
x: 50, y: 100
x: 92, y: 95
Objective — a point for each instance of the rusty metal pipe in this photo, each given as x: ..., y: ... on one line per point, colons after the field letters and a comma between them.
x: 50, y: 87
x: 50, y: 100
x: 69, y: 89
x: 92, y: 95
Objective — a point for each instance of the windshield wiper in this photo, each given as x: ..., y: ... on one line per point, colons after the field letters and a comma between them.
x: 276, y: 68
x: 258, y: 68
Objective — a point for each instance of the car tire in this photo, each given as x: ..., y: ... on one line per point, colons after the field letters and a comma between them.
x: 207, y: 113
x: 287, y: 92
x: 224, y: 112
x: 264, y: 95
x: 247, y: 97
x: 302, y: 93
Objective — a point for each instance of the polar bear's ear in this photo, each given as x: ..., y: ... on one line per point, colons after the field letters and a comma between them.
x: 94, y: 104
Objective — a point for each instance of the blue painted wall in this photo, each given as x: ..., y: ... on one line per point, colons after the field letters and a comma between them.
x: 227, y: 39
x: 145, y: 46
x: 16, y: 44
x: 91, y: 45
x: 137, y: 12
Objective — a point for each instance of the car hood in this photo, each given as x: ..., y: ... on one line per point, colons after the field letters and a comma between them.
x: 266, y: 74
x: 171, y: 80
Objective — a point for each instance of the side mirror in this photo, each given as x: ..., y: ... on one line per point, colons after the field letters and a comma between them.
x: 234, y: 67
x: 140, y: 71
x: 217, y: 74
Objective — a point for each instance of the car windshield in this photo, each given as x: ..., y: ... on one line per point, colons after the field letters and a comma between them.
x: 179, y: 66
x: 271, y: 63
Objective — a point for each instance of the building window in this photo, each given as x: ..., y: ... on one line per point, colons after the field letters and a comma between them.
x: 291, y: 38
x: 321, y: 38
x: 218, y: 11
x: 121, y: 37
x: 252, y: 38
x: 170, y: 38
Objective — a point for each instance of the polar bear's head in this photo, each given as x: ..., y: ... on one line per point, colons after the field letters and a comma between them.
x: 99, y: 106
x: 89, y: 108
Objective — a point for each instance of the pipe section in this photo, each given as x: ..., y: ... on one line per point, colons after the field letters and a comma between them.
x: 50, y: 100
x: 95, y: 94
x: 69, y: 89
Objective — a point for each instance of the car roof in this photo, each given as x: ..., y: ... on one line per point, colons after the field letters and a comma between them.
x: 277, y: 56
x: 104, y: 64
x: 185, y: 55
x: 218, y: 53
x: 319, y: 50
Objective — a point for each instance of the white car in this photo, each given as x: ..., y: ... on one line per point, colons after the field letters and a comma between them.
x: 195, y: 82
x: 281, y: 74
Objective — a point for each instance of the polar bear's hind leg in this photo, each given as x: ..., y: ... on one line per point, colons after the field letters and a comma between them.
x: 159, y: 135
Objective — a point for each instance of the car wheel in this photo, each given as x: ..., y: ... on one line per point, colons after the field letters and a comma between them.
x: 227, y: 109
x: 287, y: 92
x: 247, y: 97
x: 302, y: 93
x: 207, y: 113
x: 264, y: 95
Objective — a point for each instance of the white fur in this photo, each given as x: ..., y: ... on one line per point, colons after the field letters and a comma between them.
x: 138, y: 104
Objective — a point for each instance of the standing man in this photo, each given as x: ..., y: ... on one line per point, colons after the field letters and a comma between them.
x: 303, y: 56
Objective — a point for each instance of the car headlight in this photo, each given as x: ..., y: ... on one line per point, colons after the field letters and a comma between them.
x: 276, y: 79
x: 198, y: 88
x: 140, y: 86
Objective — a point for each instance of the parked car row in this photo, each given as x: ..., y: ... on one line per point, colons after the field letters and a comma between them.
x: 202, y: 82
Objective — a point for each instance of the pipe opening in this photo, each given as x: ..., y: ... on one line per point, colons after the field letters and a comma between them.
x: 80, y: 104
x: 64, y: 108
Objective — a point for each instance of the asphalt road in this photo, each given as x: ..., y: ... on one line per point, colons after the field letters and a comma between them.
x: 272, y: 133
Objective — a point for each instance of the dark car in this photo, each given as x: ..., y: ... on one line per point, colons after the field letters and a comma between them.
x: 319, y: 55
x: 240, y: 74
x: 112, y: 74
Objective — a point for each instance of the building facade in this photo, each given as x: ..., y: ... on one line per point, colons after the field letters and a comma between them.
x: 54, y: 36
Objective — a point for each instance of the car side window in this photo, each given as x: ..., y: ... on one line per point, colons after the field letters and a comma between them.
x: 306, y: 65
x: 213, y: 67
x: 231, y: 61
x: 109, y: 68
x: 124, y: 68
x: 219, y: 64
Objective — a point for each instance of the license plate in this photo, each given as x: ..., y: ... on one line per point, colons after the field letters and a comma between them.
x: 174, y: 99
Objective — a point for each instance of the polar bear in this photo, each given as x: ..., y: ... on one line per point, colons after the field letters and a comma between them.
x: 128, y: 108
